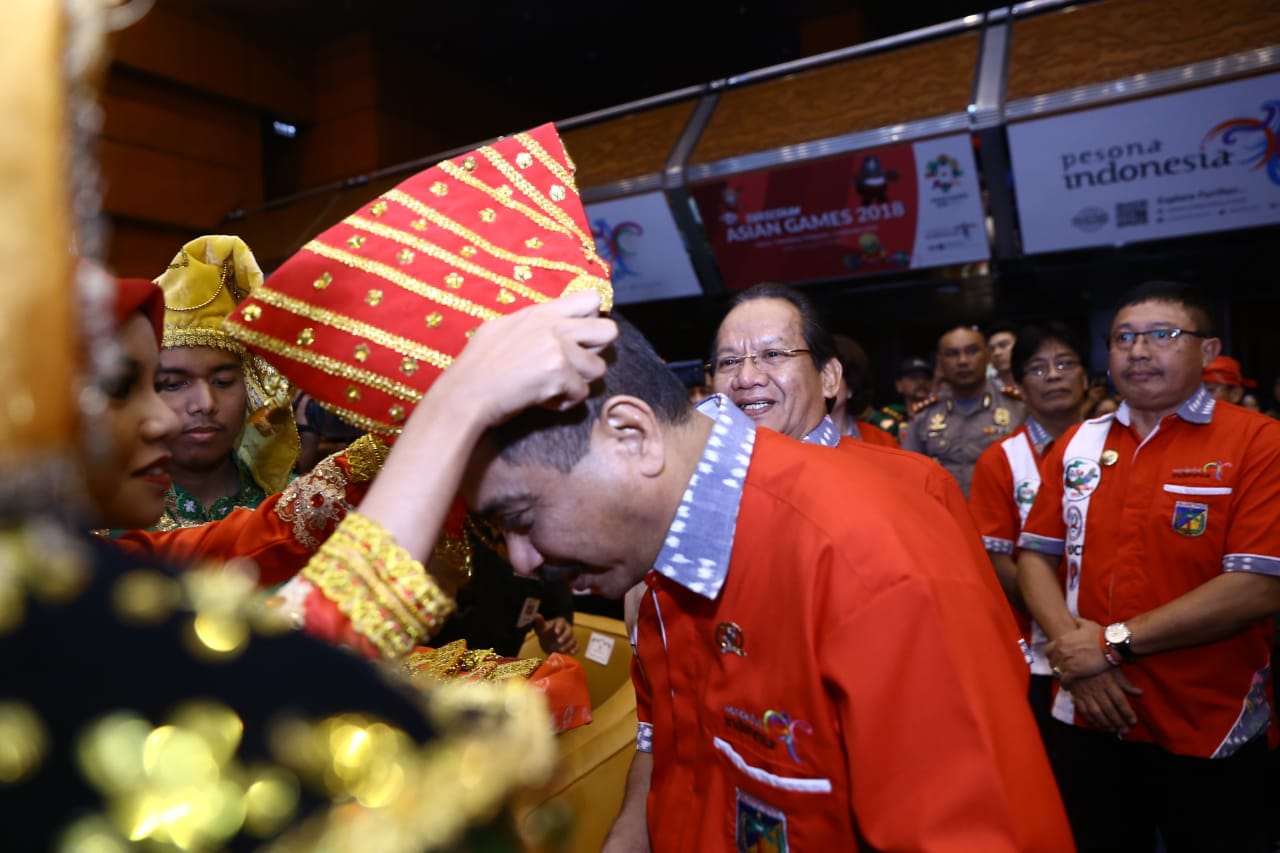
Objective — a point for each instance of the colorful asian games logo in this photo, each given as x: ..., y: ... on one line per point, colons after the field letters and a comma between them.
x: 1253, y: 141
x: 944, y: 171
x: 610, y: 246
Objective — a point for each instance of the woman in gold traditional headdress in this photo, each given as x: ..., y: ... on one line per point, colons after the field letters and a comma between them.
x: 137, y: 706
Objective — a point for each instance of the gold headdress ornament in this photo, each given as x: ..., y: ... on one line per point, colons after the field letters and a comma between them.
x: 208, y: 278
x: 38, y: 418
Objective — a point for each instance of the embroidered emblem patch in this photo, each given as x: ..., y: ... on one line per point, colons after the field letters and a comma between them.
x: 781, y: 726
x: 1190, y: 519
x: 1215, y: 469
x: 768, y: 730
x: 1024, y: 494
x: 761, y: 827
x: 1075, y: 524
x: 1080, y: 477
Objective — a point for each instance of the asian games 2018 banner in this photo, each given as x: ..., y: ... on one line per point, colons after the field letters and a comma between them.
x: 638, y: 237
x: 885, y: 209
x: 1192, y: 162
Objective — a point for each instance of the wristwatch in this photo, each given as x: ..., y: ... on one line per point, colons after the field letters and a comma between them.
x: 1118, y: 637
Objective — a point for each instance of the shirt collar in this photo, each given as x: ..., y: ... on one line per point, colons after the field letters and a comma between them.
x: 700, y: 540
x: 825, y: 433
x: 1196, y: 409
x: 1039, y: 436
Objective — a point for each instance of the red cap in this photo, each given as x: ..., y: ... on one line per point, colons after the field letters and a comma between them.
x: 1225, y: 370
x: 141, y: 295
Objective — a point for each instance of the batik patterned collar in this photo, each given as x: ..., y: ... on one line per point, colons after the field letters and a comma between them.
x: 1198, y: 409
x: 1038, y: 435
x: 700, y: 540
x: 826, y: 433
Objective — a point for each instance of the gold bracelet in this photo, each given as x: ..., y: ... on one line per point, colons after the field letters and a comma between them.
x: 365, y: 457
x: 389, y: 597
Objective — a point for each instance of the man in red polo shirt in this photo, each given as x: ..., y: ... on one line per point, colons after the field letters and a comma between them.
x: 819, y: 666
x: 1160, y: 614
x: 1047, y: 364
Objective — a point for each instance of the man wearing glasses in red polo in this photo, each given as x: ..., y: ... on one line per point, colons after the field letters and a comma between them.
x: 1151, y: 558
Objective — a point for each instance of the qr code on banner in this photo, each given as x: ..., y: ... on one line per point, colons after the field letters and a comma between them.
x: 1131, y: 213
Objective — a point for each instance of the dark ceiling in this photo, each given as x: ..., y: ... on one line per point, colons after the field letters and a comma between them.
x: 577, y: 56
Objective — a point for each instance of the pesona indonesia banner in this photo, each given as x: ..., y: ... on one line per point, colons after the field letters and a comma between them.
x: 639, y: 238
x: 880, y: 210
x: 1195, y: 161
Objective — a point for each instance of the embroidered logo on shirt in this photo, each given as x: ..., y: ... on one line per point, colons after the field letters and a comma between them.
x: 782, y: 727
x: 761, y: 828
x: 1209, y: 469
x: 768, y: 730
x: 1075, y: 522
x: 1024, y: 494
x: 1080, y: 478
x: 1190, y: 519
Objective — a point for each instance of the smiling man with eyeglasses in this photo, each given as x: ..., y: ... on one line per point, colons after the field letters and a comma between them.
x: 1046, y: 361
x: 1164, y: 715
x: 774, y: 360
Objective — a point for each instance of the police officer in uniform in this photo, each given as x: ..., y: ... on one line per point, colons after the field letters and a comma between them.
x: 955, y: 425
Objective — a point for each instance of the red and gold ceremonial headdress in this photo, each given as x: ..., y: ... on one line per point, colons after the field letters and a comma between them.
x: 368, y: 314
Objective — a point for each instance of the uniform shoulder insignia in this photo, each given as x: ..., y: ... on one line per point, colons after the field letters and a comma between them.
x: 886, y: 412
x: 921, y: 405
x: 1011, y: 391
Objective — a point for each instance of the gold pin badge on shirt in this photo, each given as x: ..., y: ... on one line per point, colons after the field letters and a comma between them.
x: 937, y: 421
x: 729, y: 638
x: 1001, y: 416
x: 1109, y: 458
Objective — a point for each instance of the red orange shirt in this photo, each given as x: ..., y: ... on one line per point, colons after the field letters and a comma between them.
x: 1199, y: 497
x: 839, y: 669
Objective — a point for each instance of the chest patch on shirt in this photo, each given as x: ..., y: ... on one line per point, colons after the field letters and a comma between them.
x: 1190, y: 519
x: 1079, y: 478
x: 761, y: 827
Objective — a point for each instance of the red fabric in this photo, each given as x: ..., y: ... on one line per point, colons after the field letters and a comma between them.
x: 1134, y: 560
x: 872, y: 434
x: 326, y: 622
x: 367, y: 315
x: 1225, y: 370
x: 258, y: 534
x: 991, y: 500
x: 889, y: 652
x: 924, y: 473
x: 994, y: 510
x: 563, y: 681
x: 139, y: 295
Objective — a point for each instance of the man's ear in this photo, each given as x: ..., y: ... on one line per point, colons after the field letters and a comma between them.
x: 628, y: 426
x: 832, y: 372
x: 1210, y: 348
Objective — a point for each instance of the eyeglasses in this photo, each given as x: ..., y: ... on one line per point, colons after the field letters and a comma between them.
x: 766, y: 359
x: 1040, y: 370
x: 1161, y: 338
